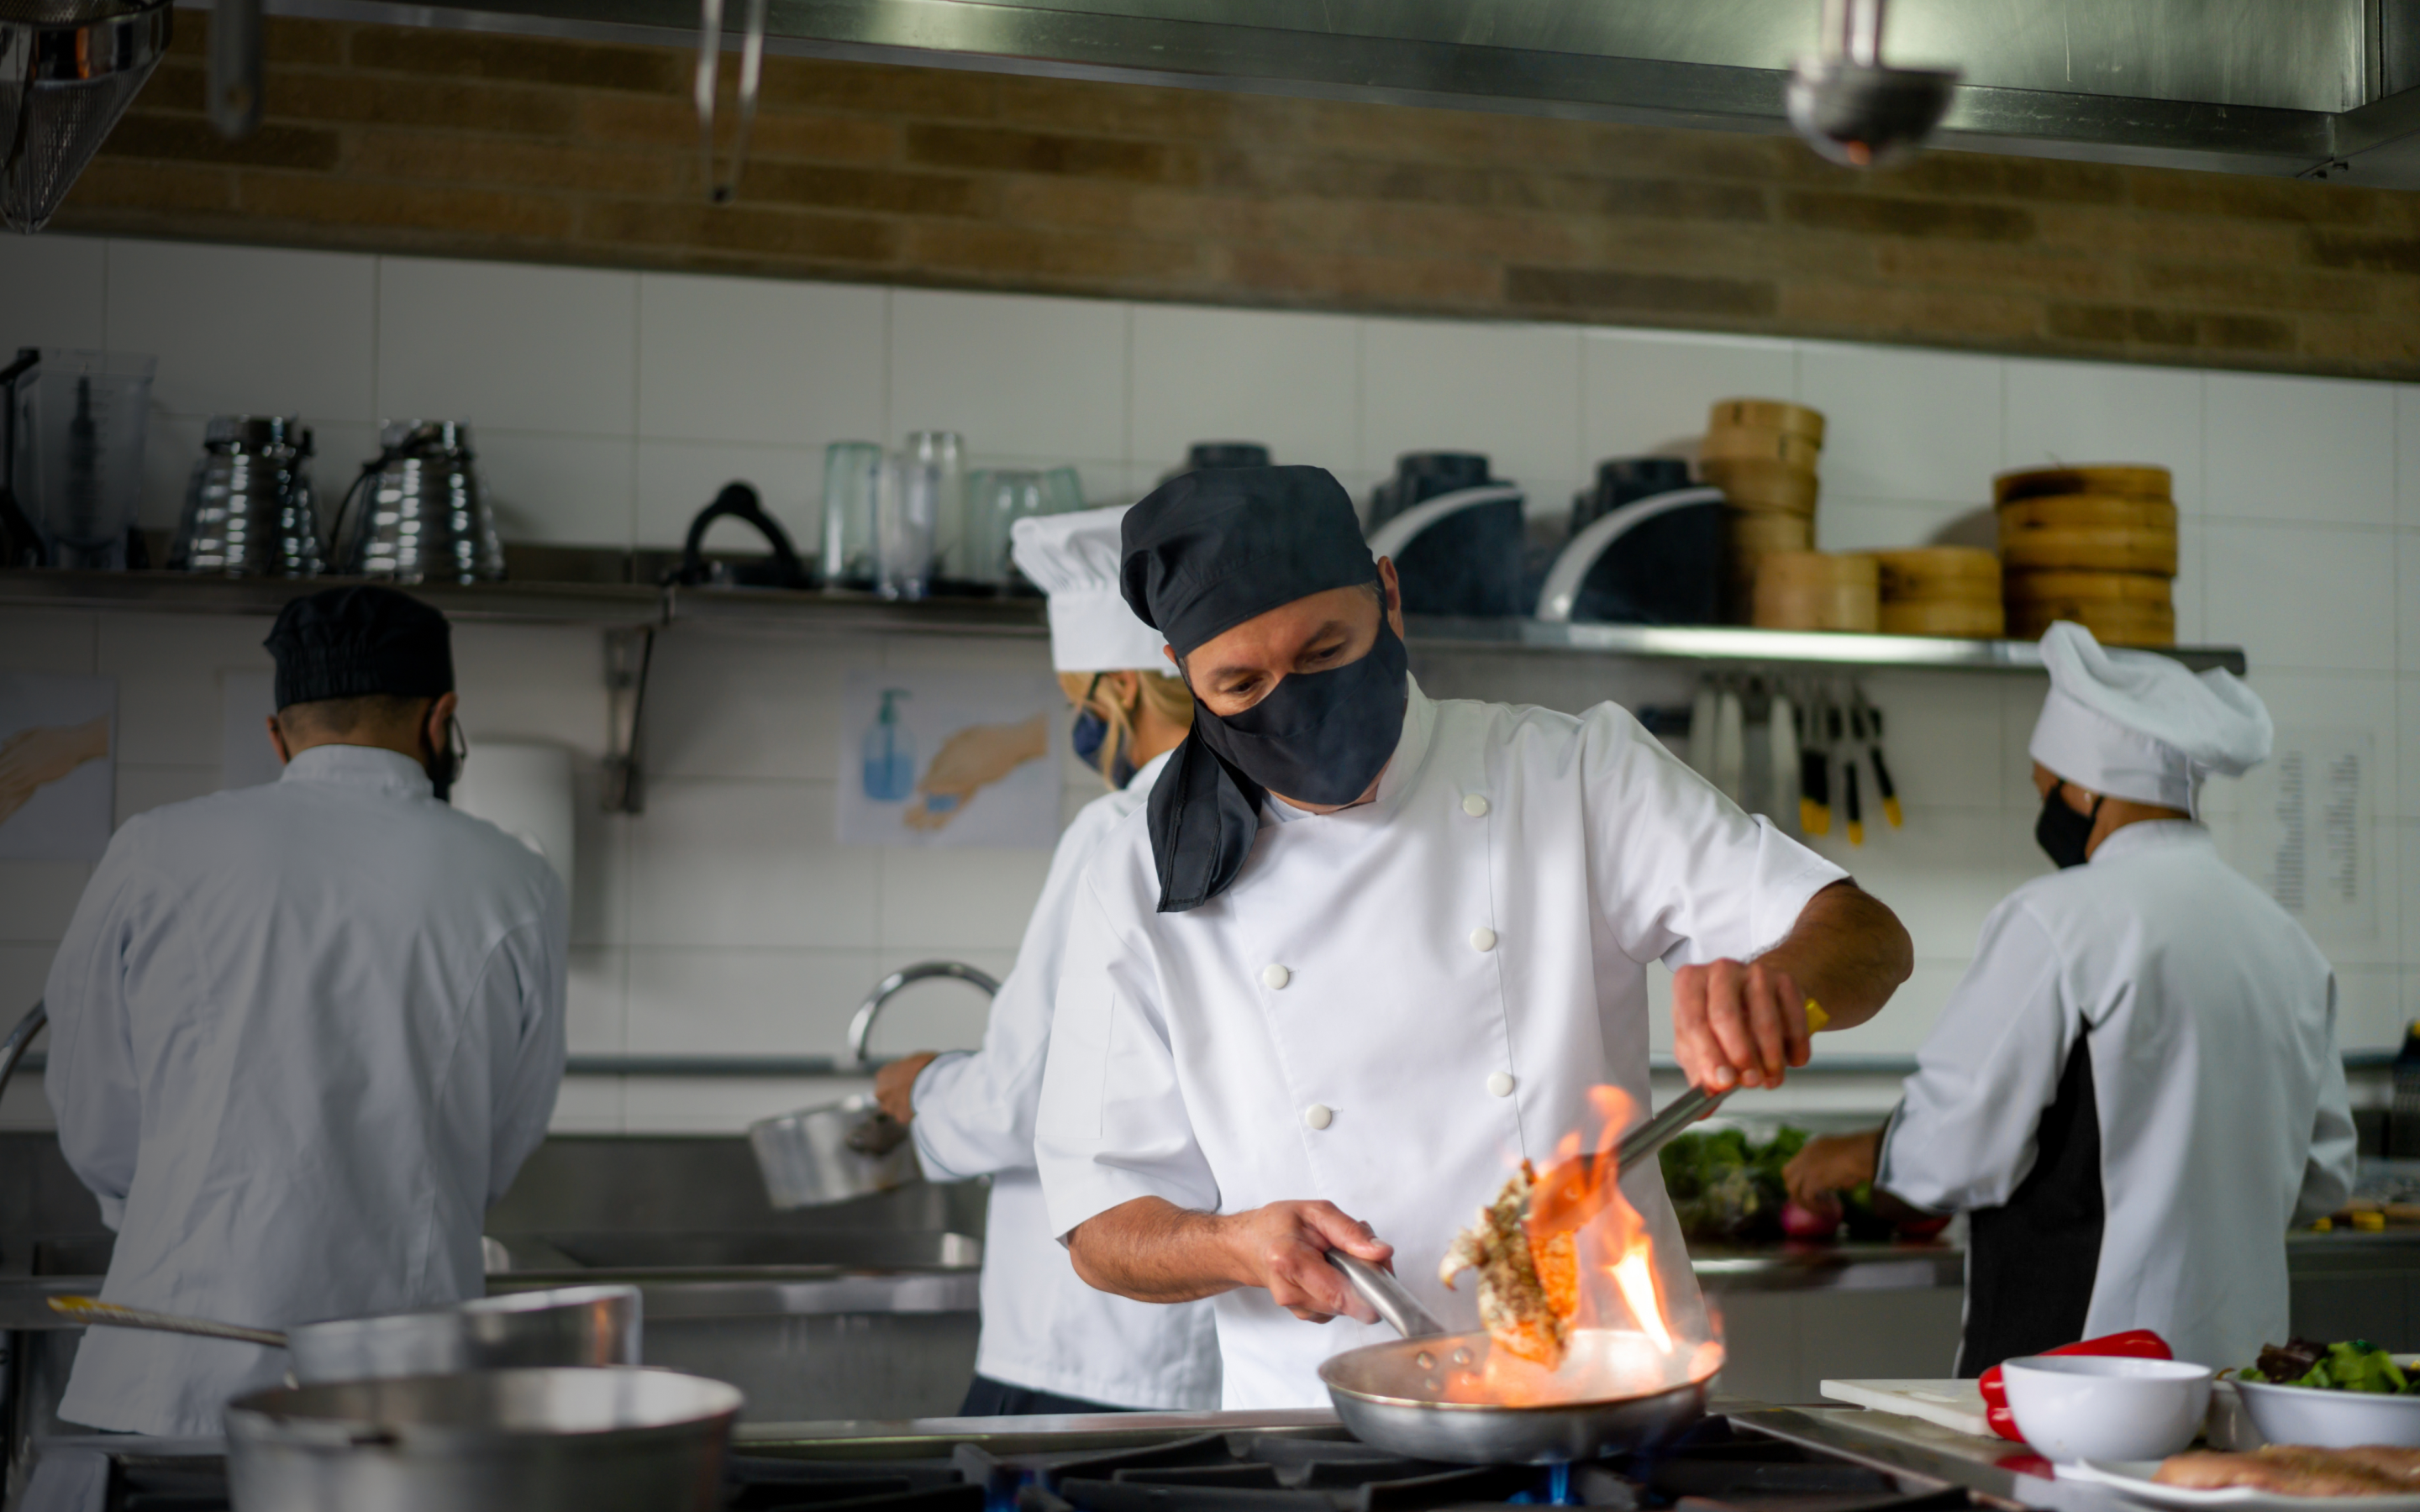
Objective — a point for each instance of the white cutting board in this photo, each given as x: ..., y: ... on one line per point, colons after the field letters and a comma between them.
x: 1957, y: 1405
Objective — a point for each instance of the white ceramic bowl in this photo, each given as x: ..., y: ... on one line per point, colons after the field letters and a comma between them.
x: 2098, y: 1407
x: 2330, y: 1419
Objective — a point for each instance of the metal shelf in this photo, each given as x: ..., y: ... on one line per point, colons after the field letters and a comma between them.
x: 776, y: 612
x: 1742, y: 646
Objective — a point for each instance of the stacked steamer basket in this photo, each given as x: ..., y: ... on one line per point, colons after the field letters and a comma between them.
x: 1762, y: 453
x: 2095, y: 545
x: 1818, y: 591
x: 1941, y: 589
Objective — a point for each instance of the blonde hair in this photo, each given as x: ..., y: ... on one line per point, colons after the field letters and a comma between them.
x: 1165, y: 696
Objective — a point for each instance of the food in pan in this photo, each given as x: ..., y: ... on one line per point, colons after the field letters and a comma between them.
x: 2354, y: 1364
x: 2292, y: 1469
x: 1527, y: 1294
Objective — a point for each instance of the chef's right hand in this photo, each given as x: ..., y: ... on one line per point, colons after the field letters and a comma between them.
x: 1282, y: 1248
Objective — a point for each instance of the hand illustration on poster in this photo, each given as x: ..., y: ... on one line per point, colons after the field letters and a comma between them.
x: 949, y: 759
x: 57, y: 782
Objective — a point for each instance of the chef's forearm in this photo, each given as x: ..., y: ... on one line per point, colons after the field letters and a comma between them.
x: 1847, y: 951
x: 1151, y: 1250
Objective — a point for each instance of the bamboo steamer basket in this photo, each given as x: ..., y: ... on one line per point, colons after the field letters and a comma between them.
x: 1767, y: 414
x: 1973, y: 619
x: 2078, y: 550
x: 2094, y: 511
x: 1759, y: 444
x: 1817, y: 591
x: 2126, y: 480
x: 1939, y: 573
x: 1752, y: 532
x: 1761, y: 484
x: 2113, y: 621
x: 2061, y: 587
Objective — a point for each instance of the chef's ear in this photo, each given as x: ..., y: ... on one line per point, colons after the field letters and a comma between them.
x: 277, y: 741
x: 1392, y: 590
x: 440, y: 715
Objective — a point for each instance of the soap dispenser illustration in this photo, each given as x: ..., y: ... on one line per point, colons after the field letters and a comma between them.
x: 889, y: 752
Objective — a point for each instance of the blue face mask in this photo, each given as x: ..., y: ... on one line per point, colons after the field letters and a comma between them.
x: 1089, y: 733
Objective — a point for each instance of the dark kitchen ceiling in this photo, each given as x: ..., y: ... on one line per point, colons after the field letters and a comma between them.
x: 2262, y: 86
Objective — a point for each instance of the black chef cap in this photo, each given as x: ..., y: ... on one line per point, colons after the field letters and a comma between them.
x: 351, y: 643
x: 1207, y: 550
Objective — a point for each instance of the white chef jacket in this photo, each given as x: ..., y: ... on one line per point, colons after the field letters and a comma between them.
x: 301, y: 1036
x: 1396, y: 1003
x: 2219, y: 1089
x: 1043, y: 1328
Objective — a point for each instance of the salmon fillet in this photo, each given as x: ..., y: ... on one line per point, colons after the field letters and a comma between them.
x: 2286, y: 1470
x: 1527, y: 1297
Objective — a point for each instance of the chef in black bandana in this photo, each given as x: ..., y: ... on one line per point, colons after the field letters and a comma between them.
x: 1364, y: 948
x: 2136, y: 1088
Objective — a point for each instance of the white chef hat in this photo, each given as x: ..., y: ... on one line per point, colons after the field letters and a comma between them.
x: 1074, y: 558
x: 2134, y: 724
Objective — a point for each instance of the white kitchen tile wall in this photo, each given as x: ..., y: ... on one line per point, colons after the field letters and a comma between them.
x: 726, y: 920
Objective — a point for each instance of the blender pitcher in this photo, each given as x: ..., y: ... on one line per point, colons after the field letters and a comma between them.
x: 79, y: 422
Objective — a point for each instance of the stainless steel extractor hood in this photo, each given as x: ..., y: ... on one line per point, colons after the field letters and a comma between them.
x: 2265, y: 87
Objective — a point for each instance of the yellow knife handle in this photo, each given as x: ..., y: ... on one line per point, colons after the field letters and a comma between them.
x: 1816, y: 1017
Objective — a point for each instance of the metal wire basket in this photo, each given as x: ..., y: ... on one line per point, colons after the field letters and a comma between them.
x: 67, y: 71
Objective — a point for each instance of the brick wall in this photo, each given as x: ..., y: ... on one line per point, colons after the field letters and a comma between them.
x: 402, y: 139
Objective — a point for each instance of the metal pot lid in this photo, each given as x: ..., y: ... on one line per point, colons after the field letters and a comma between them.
x: 434, y: 438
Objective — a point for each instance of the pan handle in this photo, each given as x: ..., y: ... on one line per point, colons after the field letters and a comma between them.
x: 1382, y: 1290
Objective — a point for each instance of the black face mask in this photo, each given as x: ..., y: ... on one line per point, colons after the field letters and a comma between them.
x: 1321, y: 738
x: 1087, y: 735
x: 2063, y: 834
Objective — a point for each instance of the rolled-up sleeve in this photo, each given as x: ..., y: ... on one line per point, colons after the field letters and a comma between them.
x: 2328, y: 1169
x: 1112, y: 1126
x: 91, y: 1079
x: 974, y: 1113
x: 527, y: 970
x: 1682, y: 874
x: 1963, y: 1136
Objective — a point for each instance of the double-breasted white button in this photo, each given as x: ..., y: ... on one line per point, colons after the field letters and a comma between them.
x: 1274, y: 976
x: 1318, y: 1115
x: 1499, y: 1084
x: 1475, y: 806
x: 1483, y: 939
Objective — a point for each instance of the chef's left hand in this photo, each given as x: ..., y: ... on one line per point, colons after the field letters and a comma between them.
x: 1737, y: 1024
x: 1831, y: 1165
x: 895, y: 1086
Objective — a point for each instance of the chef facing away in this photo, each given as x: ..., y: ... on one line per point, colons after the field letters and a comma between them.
x: 1364, y: 950
x: 1051, y: 1343
x: 303, y: 1034
x: 2136, y: 1088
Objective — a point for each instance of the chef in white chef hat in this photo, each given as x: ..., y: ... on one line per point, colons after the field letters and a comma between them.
x: 2136, y: 1088
x: 2139, y: 727
x: 1050, y: 1343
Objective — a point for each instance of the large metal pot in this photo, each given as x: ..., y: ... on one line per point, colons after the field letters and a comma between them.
x: 565, y: 1326
x: 619, y: 1440
x: 850, y: 1148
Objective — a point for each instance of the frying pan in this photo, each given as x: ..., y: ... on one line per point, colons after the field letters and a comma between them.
x: 1394, y: 1395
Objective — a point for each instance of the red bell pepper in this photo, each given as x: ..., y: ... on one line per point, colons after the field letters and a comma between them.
x: 2135, y: 1343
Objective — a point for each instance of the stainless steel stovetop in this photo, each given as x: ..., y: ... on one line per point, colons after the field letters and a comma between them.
x: 1744, y: 1458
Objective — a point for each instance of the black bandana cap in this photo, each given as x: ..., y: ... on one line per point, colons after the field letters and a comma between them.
x: 1208, y: 550
x: 352, y: 642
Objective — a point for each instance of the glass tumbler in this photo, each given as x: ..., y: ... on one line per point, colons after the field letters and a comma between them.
x: 1062, y: 491
x: 904, y: 513
x: 942, y: 455
x: 79, y: 422
x: 853, y: 490
x: 997, y: 498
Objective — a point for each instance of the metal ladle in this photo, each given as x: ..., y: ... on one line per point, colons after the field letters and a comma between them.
x: 1852, y: 107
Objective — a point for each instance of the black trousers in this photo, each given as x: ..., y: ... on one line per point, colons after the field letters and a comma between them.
x: 987, y: 1398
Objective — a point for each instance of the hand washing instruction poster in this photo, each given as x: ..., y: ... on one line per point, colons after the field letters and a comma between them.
x: 58, y: 781
x: 931, y: 758
x: 2305, y: 831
